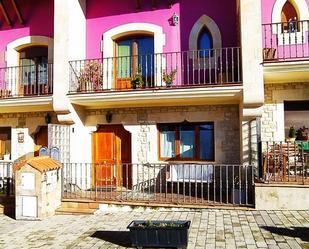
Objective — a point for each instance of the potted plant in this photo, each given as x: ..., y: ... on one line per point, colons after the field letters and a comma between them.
x: 301, y: 134
x: 168, y: 78
x: 91, y: 77
x: 159, y: 233
x: 137, y: 79
x: 292, y: 134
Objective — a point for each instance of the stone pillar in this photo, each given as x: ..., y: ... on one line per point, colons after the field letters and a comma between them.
x: 253, y: 83
x: 69, y: 44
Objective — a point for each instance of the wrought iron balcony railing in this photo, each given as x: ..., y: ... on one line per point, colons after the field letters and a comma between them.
x: 26, y: 81
x: 157, y: 71
x: 285, y: 41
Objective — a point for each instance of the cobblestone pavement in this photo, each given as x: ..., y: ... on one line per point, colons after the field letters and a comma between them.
x: 209, y: 229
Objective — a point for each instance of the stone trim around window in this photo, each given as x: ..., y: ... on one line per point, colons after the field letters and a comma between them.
x: 210, y: 24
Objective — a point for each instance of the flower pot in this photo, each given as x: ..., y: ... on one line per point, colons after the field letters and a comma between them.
x: 291, y: 139
x: 159, y: 233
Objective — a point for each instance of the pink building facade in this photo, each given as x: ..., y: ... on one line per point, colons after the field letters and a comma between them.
x: 121, y: 85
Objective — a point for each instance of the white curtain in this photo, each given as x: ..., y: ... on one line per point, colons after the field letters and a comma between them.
x: 167, y: 143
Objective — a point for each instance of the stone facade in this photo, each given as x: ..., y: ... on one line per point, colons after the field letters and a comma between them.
x: 272, y: 121
x: 145, y: 120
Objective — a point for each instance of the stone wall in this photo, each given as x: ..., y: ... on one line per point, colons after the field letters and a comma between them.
x: 273, y: 110
x: 281, y: 197
x: 142, y: 123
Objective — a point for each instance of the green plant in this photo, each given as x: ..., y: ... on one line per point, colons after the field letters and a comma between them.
x: 300, y: 133
x: 91, y: 76
x: 168, y: 78
x: 137, y: 79
x: 292, y: 132
x: 151, y: 224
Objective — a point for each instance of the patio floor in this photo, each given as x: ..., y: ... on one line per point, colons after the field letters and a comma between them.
x: 209, y: 229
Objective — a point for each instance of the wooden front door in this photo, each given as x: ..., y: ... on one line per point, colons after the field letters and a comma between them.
x: 111, y: 150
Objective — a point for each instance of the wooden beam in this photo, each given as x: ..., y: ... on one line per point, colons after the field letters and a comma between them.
x: 18, y: 13
x: 5, y: 14
x: 154, y: 4
x: 138, y: 4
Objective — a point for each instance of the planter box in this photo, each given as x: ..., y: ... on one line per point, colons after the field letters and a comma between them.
x: 159, y: 233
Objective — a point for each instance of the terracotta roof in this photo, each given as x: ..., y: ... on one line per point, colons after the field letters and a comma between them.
x: 41, y: 163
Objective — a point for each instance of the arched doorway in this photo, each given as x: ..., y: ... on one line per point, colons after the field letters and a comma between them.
x: 289, y: 17
x: 33, y: 62
x: 111, y: 151
x: 134, y: 55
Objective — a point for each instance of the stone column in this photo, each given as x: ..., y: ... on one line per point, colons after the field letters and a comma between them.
x: 69, y: 44
x: 253, y: 83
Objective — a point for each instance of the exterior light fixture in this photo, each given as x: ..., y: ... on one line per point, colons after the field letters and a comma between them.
x: 47, y: 118
x: 109, y: 116
x: 175, y: 19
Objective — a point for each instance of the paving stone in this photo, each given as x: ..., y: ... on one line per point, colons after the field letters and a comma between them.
x: 227, y: 229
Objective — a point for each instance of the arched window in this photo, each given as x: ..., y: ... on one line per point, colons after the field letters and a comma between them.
x: 205, y: 36
x: 205, y: 43
x: 289, y: 17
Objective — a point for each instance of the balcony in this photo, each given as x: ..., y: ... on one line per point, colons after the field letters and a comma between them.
x: 30, y: 85
x: 286, y: 51
x: 207, y: 73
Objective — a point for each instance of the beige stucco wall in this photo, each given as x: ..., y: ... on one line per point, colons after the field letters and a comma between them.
x: 251, y: 37
x: 142, y: 123
x: 26, y: 123
x: 69, y: 44
x: 281, y: 197
x: 273, y: 125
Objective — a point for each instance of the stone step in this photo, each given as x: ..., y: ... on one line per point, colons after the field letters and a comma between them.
x: 1, y: 209
x: 75, y: 211
x: 79, y: 204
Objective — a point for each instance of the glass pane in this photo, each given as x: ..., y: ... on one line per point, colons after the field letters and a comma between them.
x: 124, y: 59
x: 206, y: 142
x: 205, y: 43
x: 42, y: 73
x: 167, y: 141
x: 187, y: 141
x: 145, y: 47
x: 28, y: 74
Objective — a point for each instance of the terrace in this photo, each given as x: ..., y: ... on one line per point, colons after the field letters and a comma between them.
x: 285, y: 41
x: 186, y: 75
x: 26, y: 81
